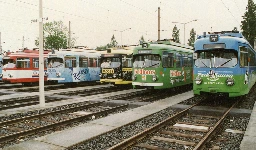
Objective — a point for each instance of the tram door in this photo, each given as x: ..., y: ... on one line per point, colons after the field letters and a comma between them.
x: 245, y: 62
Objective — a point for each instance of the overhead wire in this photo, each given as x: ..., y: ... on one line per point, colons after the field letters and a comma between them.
x: 229, y: 11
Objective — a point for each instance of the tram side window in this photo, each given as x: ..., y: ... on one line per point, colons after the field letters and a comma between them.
x: 35, y: 63
x: 126, y: 62
x: 168, y: 60
x: 23, y: 63
x: 178, y: 60
x: 45, y: 62
x: 83, y: 62
x: 190, y: 60
x: 92, y: 62
x: 70, y: 62
x: 185, y: 61
x: 252, y: 58
x: 243, y: 57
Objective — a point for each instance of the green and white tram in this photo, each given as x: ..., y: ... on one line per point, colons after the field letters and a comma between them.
x: 163, y: 64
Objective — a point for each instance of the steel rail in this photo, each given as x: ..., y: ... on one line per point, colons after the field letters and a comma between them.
x: 132, y: 140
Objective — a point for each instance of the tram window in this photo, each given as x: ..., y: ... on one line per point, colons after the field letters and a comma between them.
x: 83, y: 62
x: 178, y: 61
x: 92, y: 62
x: 23, y: 63
x: 243, y: 57
x: 127, y: 62
x: 168, y: 60
x: 185, y: 61
x: 9, y: 63
x: 252, y: 58
x: 45, y: 62
x: 190, y: 60
x: 70, y: 62
x: 35, y: 63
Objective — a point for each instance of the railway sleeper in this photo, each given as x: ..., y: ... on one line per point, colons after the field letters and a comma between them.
x: 173, y: 141
x: 151, y: 147
x: 181, y: 134
x: 188, y: 129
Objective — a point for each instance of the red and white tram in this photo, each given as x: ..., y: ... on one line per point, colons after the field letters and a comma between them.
x: 23, y: 67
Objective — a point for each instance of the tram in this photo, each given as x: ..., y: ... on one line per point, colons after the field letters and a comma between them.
x: 73, y: 66
x: 116, y: 66
x: 162, y: 64
x: 225, y: 63
x: 23, y: 67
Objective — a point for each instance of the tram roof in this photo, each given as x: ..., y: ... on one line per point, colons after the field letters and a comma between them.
x: 230, y: 39
x: 170, y: 46
x: 72, y: 52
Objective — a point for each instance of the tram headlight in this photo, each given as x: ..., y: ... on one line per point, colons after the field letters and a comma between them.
x: 154, y: 77
x: 9, y: 75
x: 114, y: 75
x: 58, y: 74
x: 134, y: 77
x: 100, y: 75
x: 198, y: 80
x: 1, y: 75
x: 230, y: 82
x: 45, y: 74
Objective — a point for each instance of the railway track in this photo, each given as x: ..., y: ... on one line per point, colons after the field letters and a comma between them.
x: 19, y: 128
x: 190, y: 133
x: 34, y: 100
x: 150, y: 95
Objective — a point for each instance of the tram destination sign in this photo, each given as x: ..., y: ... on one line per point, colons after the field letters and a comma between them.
x: 149, y: 51
x: 214, y: 46
x: 214, y: 38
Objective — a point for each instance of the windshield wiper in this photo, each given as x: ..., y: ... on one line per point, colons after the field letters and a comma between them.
x: 154, y: 64
x: 225, y: 62
x: 203, y: 63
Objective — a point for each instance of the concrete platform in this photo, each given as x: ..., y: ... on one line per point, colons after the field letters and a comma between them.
x: 249, y: 140
x: 63, y: 139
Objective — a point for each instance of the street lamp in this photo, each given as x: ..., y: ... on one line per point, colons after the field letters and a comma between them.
x: 184, y: 26
x: 122, y: 32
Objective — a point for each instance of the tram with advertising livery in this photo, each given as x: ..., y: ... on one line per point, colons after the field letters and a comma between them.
x: 116, y: 66
x: 73, y: 66
x: 225, y: 63
x: 161, y: 65
x: 23, y: 67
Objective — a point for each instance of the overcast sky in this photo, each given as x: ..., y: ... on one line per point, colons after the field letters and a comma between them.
x: 93, y: 22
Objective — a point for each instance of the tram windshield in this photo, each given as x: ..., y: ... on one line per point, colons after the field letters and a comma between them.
x: 8, y: 63
x: 110, y: 62
x: 216, y: 58
x: 55, y: 62
x: 148, y: 60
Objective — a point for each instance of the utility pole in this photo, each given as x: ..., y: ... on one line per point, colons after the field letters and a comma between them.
x: 69, y: 34
x: 158, y: 23
x: 41, y: 56
x: 185, y: 28
x: 23, y: 42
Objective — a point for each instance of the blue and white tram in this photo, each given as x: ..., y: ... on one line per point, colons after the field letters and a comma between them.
x: 73, y: 66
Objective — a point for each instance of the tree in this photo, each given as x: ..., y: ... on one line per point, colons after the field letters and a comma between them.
x: 113, y: 42
x: 192, y: 38
x: 101, y: 48
x: 175, y: 34
x: 249, y: 23
x: 55, y: 35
